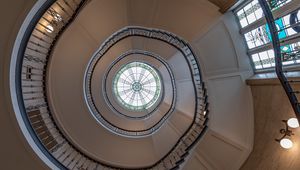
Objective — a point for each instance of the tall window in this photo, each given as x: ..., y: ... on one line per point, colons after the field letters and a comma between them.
x: 258, y: 37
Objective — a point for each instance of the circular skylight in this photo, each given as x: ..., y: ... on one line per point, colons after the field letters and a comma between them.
x: 137, y: 86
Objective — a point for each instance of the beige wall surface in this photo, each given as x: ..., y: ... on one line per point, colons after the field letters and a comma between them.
x: 15, y: 152
x: 270, y: 107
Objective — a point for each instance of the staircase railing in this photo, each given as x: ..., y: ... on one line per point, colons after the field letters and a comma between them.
x: 33, y: 56
x: 285, y: 81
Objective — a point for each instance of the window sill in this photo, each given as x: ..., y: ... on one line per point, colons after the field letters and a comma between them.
x: 261, y: 79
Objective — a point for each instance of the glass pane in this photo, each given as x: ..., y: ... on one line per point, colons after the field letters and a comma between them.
x: 287, y: 26
x: 137, y: 86
x: 250, y: 13
x: 275, y: 4
x: 257, y: 37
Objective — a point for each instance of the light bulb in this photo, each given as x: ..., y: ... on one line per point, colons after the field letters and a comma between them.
x: 57, y: 17
x: 293, y: 123
x: 286, y: 143
x: 49, y: 28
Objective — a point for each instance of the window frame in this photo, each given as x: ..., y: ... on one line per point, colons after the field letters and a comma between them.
x: 279, y: 13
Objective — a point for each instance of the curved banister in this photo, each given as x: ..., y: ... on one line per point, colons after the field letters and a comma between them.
x: 278, y: 58
x: 157, y: 34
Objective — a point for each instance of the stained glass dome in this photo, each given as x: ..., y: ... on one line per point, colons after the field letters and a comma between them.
x: 137, y: 86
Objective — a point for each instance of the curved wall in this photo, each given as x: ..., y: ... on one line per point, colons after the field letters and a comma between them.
x: 271, y: 106
x: 15, y: 151
x: 224, y: 65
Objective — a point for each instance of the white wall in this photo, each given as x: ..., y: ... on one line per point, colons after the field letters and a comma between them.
x: 225, y: 66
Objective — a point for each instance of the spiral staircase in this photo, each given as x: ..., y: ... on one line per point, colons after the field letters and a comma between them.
x: 135, y: 132
x: 83, y: 98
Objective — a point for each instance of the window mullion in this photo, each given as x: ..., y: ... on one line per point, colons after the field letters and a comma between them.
x: 287, y: 41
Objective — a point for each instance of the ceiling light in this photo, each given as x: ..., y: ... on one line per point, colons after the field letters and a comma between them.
x: 57, y: 17
x: 286, y: 143
x: 293, y: 123
x: 286, y: 132
x: 49, y: 28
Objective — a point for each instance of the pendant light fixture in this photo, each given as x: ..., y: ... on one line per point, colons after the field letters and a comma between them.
x: 285, y: 141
